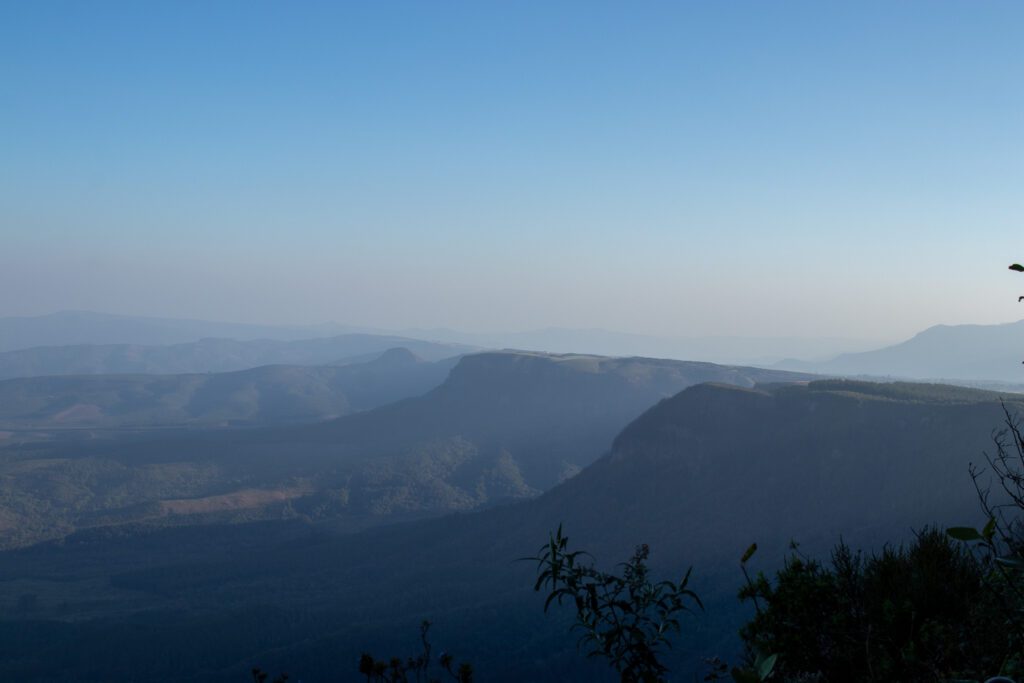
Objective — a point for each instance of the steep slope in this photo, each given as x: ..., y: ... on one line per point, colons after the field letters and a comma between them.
x: 555, y: 412
x: 868, y: 461
x: 210, y: 355
x: 264, y: 395
x: 951, y: 352
x: 698, y: 477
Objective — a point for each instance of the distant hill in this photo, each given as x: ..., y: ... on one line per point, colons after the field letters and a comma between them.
x: 699, y: 477
x: 74, y: 328
x: 502, y: 426
x: 274, y: 394
x: 948, y: 352
x: 210, y: 355
x: 77, y: 328
x: 749, y: 350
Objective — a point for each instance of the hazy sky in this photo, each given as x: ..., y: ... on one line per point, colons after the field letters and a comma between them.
x: 763, y: 168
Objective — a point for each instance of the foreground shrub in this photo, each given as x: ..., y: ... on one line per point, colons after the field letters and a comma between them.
x: 917, y: 613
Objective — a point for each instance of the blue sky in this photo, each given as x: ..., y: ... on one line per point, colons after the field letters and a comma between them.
x: 819, y: 169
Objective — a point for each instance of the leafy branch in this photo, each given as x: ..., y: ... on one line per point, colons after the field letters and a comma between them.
x: 625, y: 618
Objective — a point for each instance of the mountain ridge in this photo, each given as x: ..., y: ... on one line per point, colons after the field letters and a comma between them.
x: 969, y: 352
x: 77, y: 327
x: 210, y: 355
x: 262, y: 395
x: 80, y: 327
x: 502, y: 425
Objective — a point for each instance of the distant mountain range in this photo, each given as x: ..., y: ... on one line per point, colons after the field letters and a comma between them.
x: 501, y: 426
x: 698, y: 477
x: 741, y: 350
x: 94, y: 343
x: 298, y: 539
x: 273, y: 394
x: 949, y: 352
x: 210, y: 355
x: 76, y: 328
x: 72, y: 328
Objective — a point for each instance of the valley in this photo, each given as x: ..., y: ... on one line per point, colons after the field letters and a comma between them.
x: 698, y: 477
x: 511, y: 342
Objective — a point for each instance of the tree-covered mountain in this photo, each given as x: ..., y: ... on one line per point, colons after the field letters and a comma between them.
x: 210, y: 355
x: 555, y: 413
x: 699, y: 477
x: 501, y: 426
x: 942, y: 352
x: 273, y: 394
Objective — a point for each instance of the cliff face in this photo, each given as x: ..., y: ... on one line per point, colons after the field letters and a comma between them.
x: 708, y: 471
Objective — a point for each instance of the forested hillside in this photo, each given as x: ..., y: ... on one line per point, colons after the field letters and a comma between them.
x: 698, y: 477
x: 502, y: 426
x: 275, y: 394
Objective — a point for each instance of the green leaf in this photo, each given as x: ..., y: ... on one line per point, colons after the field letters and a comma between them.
x: 990, y: 529
x: 765, y: 667
x: 744, y: 675
x: 685, y: 580
x: 1017, y: 267
x: 749, y: 553
x: 964, y: 533
x: 1013, y: 562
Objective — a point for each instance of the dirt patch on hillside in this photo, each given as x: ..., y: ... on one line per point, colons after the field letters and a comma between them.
x: 80, y: 412
x: 9, y: 521
x: 245, y: 499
